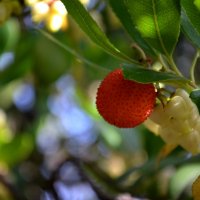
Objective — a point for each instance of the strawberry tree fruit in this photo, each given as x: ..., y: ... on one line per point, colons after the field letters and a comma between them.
x: 124, y: 103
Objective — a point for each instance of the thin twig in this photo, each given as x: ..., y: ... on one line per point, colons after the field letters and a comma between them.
x: 70, y: 50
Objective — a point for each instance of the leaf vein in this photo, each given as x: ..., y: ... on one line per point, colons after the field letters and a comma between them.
x: 158, y: 29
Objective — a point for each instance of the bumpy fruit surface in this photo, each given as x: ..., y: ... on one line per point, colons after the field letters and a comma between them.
x: 124, y: 103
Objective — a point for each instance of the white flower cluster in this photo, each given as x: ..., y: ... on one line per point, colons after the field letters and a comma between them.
x: 178, y: 122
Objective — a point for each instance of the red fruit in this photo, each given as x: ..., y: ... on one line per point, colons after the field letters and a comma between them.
x: 124, y: 103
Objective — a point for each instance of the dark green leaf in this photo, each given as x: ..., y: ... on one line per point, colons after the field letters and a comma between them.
x: 93, y: 31
x: 190, y: 22
x: 158, y: 21
x: 195, y: 96
x: 144, y: 75
x: 122, y: 13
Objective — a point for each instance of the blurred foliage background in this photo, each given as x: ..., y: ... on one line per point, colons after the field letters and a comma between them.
x: 53, y: 143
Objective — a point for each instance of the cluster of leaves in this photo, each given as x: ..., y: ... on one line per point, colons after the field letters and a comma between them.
x: 40, y: 59
x: 154, y: 26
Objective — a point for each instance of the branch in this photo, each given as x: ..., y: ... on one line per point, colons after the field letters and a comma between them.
x: 13, y: 190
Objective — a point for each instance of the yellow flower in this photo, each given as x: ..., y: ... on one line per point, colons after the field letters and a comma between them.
x: 57, y: 17
x: 40, y: 10
x: 52, y: 12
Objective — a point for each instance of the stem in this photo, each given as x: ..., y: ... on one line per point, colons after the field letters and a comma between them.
x: 140, y: 50
x: 70, y: 50
x: 194, y: 62
x: 12, y: 189
x: 160, y: 58
x: 173, y: 66
x: 187, y: 86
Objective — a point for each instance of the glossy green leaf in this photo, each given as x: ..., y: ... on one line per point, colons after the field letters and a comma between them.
x: 93, y: 31
x: 190, y: 22
x: 158, y: 21
x: 195, y: 96
x: 124, y: 16
x: 144, y: 75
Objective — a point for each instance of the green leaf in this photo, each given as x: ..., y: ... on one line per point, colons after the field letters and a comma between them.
x: 8, y: 39
x: 195, y: 96
x: 190, y: 22
x: 183, y: 178
x: 53, y: 59
x: 93, y: 31
x: 144, y: 75
x: 197, y: 4
x: 22, y: 61
x: 158, y: 21
x: 122, y: 13
x: 17, y: 149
